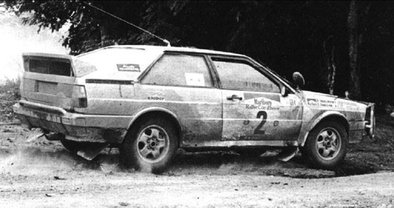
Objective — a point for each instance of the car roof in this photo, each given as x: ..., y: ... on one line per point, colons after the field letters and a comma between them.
x: 171, y: 49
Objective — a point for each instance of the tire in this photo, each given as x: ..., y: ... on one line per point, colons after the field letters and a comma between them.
x: 326, y: 145
x: 150, y: 147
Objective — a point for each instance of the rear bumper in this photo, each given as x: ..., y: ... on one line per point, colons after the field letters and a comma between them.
x: 79, y: 127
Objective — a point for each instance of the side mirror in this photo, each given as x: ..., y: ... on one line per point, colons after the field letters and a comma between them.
x: 283, y: 91
x: 298, y: 79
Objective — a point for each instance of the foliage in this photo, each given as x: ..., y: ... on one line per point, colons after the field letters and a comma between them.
x: 9, y: 95
x: 286, y: 35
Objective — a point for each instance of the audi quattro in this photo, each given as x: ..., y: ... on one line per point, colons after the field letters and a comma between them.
x: 150, y: 100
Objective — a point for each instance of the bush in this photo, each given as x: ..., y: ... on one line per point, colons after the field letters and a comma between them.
x: 9, y: 95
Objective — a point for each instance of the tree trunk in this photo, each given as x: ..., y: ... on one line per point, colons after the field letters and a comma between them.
x: 329, y: 57
x: 104, y: 34
x: 236, y: 37
x: 354, y: 43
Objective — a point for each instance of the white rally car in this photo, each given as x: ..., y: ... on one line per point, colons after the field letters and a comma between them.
x: 151, y: 100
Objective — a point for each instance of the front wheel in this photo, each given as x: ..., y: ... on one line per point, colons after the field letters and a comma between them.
x: 326, y: 145
x: 151, y: 146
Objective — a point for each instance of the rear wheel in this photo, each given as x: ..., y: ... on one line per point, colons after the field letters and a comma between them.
x: 151, y: 146
x: 326, y: 145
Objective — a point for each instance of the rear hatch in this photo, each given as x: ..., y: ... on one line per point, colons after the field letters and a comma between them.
x: 50, y: 79
x: 65, y: 81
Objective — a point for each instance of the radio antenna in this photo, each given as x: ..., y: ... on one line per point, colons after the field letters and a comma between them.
x: 129, y: 23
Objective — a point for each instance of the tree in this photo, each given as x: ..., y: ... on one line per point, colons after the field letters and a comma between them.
x: 331, y: 42
x: 88, y: 28
x: 354, y: 42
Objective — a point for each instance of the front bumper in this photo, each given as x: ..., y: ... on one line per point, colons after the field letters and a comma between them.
x: 370, y: 120
x: 78, y: 127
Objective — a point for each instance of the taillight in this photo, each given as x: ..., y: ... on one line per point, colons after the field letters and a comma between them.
x: 79, y: 97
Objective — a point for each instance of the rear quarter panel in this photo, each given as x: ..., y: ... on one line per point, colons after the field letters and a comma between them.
x: 199, y: 110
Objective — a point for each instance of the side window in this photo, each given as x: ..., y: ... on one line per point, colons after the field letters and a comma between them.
x: 242, y: 76
x: 179, y: 70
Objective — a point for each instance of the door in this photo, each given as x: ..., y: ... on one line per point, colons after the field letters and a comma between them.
x: 182, y: 84
x: 253, y: 107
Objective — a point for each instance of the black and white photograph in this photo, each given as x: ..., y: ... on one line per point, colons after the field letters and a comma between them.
x: 196, y: 103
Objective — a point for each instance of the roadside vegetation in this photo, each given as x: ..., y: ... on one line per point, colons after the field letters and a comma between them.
x: 339, y: 46
x: 9, y: 94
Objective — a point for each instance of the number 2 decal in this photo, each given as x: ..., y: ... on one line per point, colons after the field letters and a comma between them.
x: 263, y: 115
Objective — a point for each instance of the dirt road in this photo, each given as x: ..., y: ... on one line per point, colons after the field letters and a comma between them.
x: 97, y: 189
x: 39, y: 173
x: 57, y: 179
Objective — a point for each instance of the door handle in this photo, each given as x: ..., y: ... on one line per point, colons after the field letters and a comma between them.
x: 234, y: 97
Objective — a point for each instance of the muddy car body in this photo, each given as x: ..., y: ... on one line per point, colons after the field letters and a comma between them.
x: 150, y: 100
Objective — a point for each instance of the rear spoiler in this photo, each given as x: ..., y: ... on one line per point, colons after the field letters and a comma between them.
x: 50, y: 55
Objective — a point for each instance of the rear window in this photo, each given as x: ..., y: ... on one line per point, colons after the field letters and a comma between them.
x: 46, y: 65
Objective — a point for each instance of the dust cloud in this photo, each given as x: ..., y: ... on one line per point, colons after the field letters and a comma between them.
x: 16, y: 38
x: 31, y: 161
x: 35, y: 161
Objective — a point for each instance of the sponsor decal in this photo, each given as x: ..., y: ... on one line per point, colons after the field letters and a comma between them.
x: 272, y: 97
x: 292, y: 102
x: 195, y: 79
x: 314, y: 102
x: 321, y: 103
x: 128, y: 67
x: 327, y: 103
x: 346, y: 105
x: 261, y: 104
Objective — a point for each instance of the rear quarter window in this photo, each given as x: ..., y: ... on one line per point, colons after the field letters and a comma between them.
x: 115, y: 63
x: 179, y: 70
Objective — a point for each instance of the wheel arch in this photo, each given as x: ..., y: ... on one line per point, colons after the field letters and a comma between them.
x: 154, y: 112
x: 326, y: 116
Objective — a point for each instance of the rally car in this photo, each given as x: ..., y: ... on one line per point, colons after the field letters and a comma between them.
x: 151, y: 100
